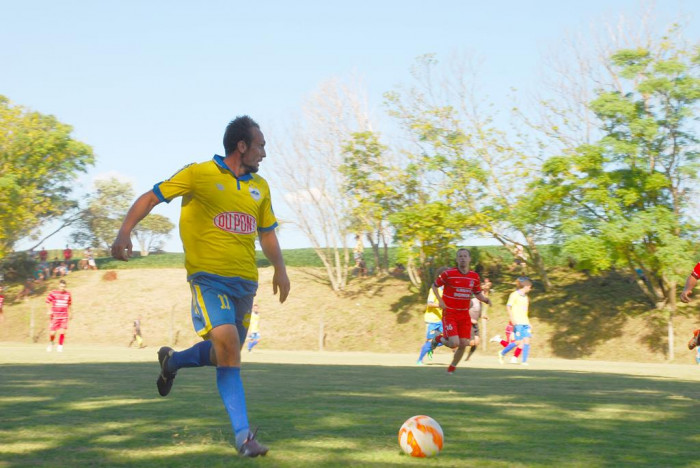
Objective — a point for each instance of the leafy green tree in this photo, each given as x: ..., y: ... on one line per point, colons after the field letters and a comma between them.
x: 106, y: 208
x: 467, y: 161
x: 623, y: 201
x: 152, y: 231
x: 39, y: 162
x: 371, y: 186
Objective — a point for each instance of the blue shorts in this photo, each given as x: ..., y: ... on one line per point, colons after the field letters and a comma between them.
x: 432, y: 330
x: 522, y: 331
x: 217, y: 300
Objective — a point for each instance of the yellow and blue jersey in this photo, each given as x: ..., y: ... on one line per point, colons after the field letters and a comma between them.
x: 433, y: 314
x: 220, y: 217
x: 254, y: 323
x: 519, y: 304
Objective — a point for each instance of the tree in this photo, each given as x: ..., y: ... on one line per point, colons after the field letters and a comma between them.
x: 467, y: 159
x: 309, y: 172
x: 39, y: 161
x: 371, y: 186
x: 151, y: 232
x: 106, y: 207
x: 623, y: 200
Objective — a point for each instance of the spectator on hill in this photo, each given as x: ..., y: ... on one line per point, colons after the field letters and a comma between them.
x: 43, y: 255
x: 67, y: 254
x: 60, y: 270
x: 90, y: 258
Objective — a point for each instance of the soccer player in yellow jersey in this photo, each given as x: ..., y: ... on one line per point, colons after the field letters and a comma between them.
x: 518, y: 310
x: 225, y: 206
x: 433, y: 324
x: 254, y: 328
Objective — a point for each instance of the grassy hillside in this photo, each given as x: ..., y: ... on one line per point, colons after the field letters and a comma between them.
x: 594, y: 318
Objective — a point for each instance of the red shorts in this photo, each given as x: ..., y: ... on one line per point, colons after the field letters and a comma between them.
x: 59, y: 323
x: 457, y: 326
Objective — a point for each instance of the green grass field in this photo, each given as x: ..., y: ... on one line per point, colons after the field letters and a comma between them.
x: 86, y: 408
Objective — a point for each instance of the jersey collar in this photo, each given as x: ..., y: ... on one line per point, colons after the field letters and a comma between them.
x: 219, y: 160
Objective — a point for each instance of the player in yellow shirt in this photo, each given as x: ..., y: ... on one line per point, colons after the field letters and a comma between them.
x: 433, y: 324
x: 518, y: 310
x: 254, y: 329
x: 225, y: 207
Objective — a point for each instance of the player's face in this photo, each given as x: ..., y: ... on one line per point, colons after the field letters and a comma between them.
x: 254, y: 153
x: 463, y: 260
x: 62, y: 286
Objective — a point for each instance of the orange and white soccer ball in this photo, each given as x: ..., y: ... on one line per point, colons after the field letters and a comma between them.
x: 421, y: 436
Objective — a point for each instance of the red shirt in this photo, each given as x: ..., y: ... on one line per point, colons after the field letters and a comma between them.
x: 67, y: 254
x: 696, y: 271
x: 43, y: 255
x: 59, y: 303
x: 459, y: 288
x: 2, y: 301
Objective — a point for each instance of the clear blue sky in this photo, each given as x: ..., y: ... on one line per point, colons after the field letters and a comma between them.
x: 151, y: 84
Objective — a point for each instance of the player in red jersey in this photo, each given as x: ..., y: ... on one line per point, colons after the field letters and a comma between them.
x: 59, y: 302
x: 685, y: 297
x: 459, y: 285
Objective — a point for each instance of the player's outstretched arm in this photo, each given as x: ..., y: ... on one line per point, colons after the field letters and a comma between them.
x: 121, y: 248
x: 271, y: 248
x: 688, y: 289
x: 483, y: 298
x: 436, y: 291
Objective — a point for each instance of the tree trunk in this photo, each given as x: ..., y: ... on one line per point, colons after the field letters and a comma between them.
x: 386, y: 253
x: 671, y: 313
x: 335, y: 284
x: 537, y: 263
x: 375, y: 251
x: 412, y: 273
x: 671, y: 343
x: 540, y: 268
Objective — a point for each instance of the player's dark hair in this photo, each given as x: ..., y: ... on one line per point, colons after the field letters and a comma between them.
x: 466, y: 250
x: 238, y: 129
x: 62, y: 282
x: 522, y: 282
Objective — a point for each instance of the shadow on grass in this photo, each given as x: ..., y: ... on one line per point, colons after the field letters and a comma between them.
x: 405, y: 307
x: 319, y: 415
x: 588, y: 312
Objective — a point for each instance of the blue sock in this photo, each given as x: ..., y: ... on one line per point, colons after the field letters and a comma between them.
x: 507, y: 349
x: 424, y: 350
x: 526, y: 351
x: 251, y: 344
x: 196, y: 356
x: 228, y: 380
